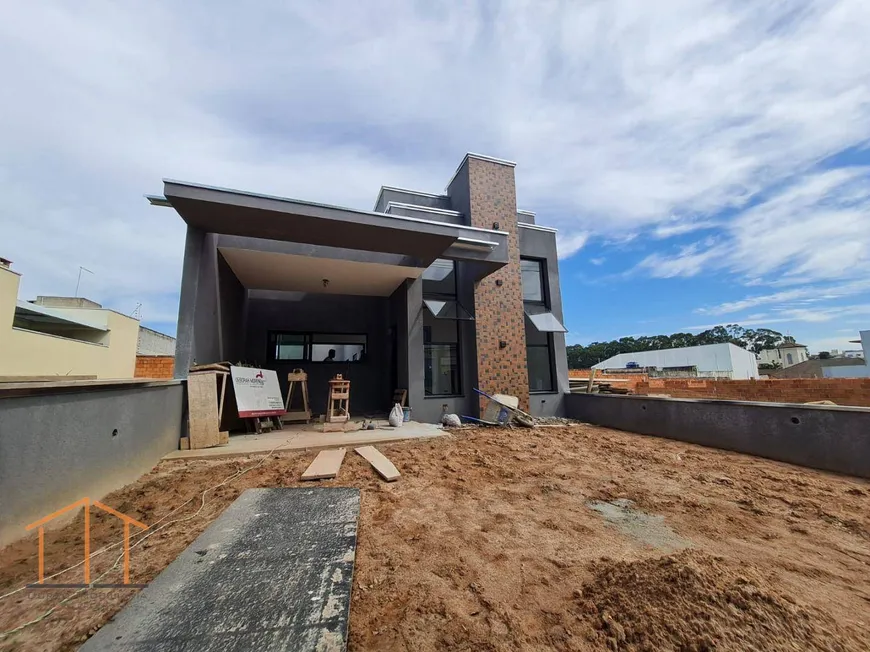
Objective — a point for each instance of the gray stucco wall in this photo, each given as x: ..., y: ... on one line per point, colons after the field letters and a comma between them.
x: 324, y: 313
x: 398, y: 320
x: 830, y: 438
x: 231, y: 304
x: 193, y: 246
x: 410, y: 197
x: 57, y: 447
x: 459, y: 192
x: 542, y: 245
x: 421, y: 213
x: 525, y: 218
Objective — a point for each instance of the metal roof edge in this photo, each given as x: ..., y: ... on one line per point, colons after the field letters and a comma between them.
x: 407, y: 190
x: 535, y: 227
x: 425, y: 209
x: 302, y: 202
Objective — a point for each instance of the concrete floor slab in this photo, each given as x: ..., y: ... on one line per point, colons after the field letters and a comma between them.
x: 295, y: 437
x: 273, y: 572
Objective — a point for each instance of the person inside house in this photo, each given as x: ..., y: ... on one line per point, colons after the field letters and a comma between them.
x: 330, y: 357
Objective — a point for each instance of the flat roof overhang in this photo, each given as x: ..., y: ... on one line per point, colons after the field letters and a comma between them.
x: 42, y: 314
x: 237, y: 213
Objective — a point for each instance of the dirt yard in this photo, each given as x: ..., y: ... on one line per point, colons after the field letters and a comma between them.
x: 489, y: 542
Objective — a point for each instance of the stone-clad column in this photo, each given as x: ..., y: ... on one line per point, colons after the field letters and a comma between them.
x: 498, y: 309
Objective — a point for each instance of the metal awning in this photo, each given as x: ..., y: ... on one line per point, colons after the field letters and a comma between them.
x: 237, y: 213
x: 544, y: 320
x: 447, y: 309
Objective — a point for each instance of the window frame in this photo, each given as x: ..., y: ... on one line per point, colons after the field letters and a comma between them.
x: 545, y: 294
x: 550, y: 344
x: 444, y: 296
x: 550, y: 348
x: 308, y: 343
x: 427, y: 347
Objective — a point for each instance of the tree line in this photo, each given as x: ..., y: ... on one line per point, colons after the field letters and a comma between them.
x: 583, y: 357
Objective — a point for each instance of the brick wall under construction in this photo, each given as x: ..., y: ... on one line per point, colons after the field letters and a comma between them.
x: 842, y: 391
x: 154, y: 366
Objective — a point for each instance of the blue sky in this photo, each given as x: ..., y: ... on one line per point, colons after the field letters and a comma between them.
x: 705, y: 161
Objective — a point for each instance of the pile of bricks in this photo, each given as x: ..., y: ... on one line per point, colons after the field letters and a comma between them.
x: 842, y: 391
x: 154, y: 366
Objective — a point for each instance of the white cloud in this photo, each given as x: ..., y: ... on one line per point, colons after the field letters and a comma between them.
x: 675, y: 227
x: 817, y: 228
x: 570, y: 244
x: 624, y: 117
x: 597, y: 261
x: 807, y: 295
x: 796, y: 315
x: 691, y: 260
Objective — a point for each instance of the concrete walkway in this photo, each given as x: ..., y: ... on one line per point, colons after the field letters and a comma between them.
x: 295, y: 437
x: 273, y: 572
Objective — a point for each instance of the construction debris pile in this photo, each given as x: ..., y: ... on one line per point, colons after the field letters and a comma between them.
x: 592, y: 386
x: 501, y: 410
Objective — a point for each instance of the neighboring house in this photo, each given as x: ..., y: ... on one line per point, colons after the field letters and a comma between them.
x: 151, y: 342
x: 712, y: 360
x: 785, y: 355
x: 155, y: 354
x: 62, y: 336
x: 861, y: 370
x: 438, y: 294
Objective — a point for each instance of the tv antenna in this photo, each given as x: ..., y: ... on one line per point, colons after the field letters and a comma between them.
x: 78, y: 282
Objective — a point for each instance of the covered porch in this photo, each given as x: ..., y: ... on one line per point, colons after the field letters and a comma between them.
x: 282, y: 284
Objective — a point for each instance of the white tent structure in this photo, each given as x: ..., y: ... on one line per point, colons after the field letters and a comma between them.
x: 719, y: 360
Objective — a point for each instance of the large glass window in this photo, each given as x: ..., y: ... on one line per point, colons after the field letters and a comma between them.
x: 533, y: 280
x: 539, y: 337
x: 288, y: 346
x: 440, y: 278
x: 441, y: 330
x: 441, y: 356
x: 335, y: 347
x: 316, y: 347
x: 539, y: 358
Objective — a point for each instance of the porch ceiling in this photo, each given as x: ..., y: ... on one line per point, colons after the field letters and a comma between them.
x: 260, y: 270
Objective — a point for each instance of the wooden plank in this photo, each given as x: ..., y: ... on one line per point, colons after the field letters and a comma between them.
x: 326, y: 465
x: 202, y: 409
x: 215, y: 366
x: 222, y: 394
x: 385, y: 468
x: 185, y: 443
